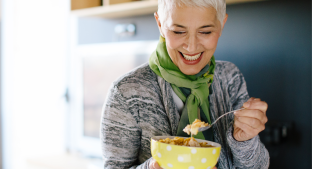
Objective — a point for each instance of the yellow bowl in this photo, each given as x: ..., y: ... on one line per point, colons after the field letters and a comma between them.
x: 181, y: 157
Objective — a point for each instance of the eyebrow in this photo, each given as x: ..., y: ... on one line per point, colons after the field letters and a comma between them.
x: 205, y: 26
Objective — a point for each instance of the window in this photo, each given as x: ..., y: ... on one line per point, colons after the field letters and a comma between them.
x: 94, y: 68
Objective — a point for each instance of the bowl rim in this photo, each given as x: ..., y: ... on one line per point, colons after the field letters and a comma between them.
x: 214, y: 144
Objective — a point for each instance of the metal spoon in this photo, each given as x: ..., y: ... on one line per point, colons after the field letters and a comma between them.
x: 209, y: 126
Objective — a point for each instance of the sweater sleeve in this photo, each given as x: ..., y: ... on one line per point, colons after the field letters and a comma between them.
x: 251, y: 153
x: 120, y: 134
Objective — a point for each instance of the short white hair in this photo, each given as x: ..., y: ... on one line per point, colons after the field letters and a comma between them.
x: 165, y: 6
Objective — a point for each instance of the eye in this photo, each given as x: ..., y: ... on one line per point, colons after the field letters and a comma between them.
x: 176, y: 32
x: 206, y: 33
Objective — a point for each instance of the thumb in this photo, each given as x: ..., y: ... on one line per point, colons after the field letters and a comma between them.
x: 154, y: 165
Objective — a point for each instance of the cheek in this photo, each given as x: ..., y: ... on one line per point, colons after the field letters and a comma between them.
x: 172, y: 53
x: 211, y: 42
x: 173, y: 42
x: 172, y: 45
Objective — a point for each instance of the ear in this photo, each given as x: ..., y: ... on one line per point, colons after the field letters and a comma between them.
x: 224, y: 21
x: 158, y: 23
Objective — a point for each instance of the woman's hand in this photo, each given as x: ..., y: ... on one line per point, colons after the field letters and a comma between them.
x: 154, y: 165
x: 249, y: 122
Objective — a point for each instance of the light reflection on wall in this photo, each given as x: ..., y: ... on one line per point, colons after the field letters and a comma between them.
x: 33, y: 79
x: 101, y: 65
x: 98, y: 75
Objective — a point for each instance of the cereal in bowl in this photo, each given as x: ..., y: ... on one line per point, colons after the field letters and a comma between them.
x: 190, y: 142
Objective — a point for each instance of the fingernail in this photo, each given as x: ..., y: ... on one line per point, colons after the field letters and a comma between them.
x: 246, y: 105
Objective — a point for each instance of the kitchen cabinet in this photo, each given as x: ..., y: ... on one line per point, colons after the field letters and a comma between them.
x: 126, y: 8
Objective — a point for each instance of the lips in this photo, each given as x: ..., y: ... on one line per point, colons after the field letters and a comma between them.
x: 191, y: 59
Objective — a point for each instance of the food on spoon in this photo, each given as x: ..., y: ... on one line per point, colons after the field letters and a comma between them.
x: 190, y: 142
x: 193, y: 128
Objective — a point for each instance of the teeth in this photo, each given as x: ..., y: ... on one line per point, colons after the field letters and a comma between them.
x: 187, y: 57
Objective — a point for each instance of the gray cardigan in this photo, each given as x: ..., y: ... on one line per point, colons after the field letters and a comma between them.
x: 140, y: 105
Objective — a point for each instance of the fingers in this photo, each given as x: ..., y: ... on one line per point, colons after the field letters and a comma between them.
x: 254, y: 114
x: 252, y: 98
x: 256, y: 103
x: 214, y: 168
x: 255, y: 108
x: 247, y: 129
x: 252, y: 122
x: 154, y: 165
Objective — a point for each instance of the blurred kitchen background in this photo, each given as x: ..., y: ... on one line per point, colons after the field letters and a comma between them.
x: 59, y: 57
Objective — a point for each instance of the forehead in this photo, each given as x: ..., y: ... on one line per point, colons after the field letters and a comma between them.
x: 192, y: 16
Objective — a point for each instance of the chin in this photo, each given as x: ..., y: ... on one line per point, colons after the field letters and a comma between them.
x: 190, y: 71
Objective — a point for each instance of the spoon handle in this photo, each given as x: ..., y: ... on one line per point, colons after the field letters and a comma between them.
x: 225, y: 114
x: 209, y: 126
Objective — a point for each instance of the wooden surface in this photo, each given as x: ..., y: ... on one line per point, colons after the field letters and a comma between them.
x: 81, y: 4
x: 130, y: 9
x: 119, y: 10
x: 111, y: 2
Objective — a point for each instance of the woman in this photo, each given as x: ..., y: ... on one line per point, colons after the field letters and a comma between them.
x: 183, y: 82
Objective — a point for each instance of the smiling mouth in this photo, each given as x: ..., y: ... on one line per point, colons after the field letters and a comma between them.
x: 191, y: 57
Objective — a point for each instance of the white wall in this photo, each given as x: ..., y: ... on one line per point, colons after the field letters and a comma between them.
x: 33, y: 71
x: 0, y: 96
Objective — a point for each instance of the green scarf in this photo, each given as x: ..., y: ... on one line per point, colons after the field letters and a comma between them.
x: 193, y: 90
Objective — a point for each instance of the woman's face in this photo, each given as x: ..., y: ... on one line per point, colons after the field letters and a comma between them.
x: 192, y: 35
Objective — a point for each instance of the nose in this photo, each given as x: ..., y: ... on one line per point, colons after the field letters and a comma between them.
x: 191, y: 43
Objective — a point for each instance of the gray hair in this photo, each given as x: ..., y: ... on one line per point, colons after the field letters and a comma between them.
x: 165, y: 6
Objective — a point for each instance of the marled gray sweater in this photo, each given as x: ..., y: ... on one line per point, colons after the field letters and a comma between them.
x: 140, y: 105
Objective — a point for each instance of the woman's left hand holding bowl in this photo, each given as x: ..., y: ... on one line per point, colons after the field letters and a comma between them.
x: 249, y: 122
x: 154, y: 165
